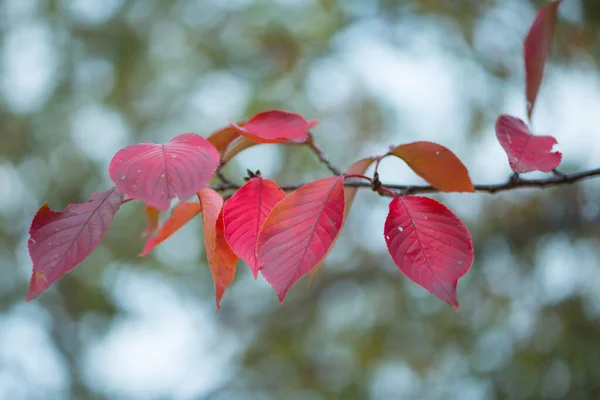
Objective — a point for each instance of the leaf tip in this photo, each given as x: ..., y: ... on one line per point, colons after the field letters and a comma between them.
x: 37, y: 285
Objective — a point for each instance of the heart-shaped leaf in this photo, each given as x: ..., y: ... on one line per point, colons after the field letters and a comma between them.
x: 276, y: 126
x: 152, y: 218
x: 299, y: 231
x: 221, y: 259
x: 526, y: 152
x: 437, y: 165
x: 244, y: 214
x: 156, y: 173
x: 59, y: 241
x: 429, y: 244
x: 536, y: 50
x: 181, y: 215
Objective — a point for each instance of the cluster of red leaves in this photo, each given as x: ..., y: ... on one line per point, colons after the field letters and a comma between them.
x: 284, y: 237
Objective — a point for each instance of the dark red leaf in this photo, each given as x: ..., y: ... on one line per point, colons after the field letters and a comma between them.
x: 429, y: 244
x: 221, y: 259
x: 276, y: 126
x: 437, y: 165
x: 526, y: 152
x: 156, y: 173
x: 244, y: 214
x: 181, y: 215
x: 59, y: 241
x: 299, y: 231
x: 536, y: 50
x: 152, y: 217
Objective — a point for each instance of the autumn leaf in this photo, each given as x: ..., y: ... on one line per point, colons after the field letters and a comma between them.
x: 276, y: 126
x: 156, y: 173
x: 437, y: 165
x: 299, y: 231
x: 536, y: 50
x: 221, y: 259
x: 152, y: 217
x: 244, y: 214
x: 358, y: 168
x: 181, y: 215
x: 526, y: 152
x: 223, y: 137
x: 236, y: 147
x: 59, y: 241
x: 429, y: 244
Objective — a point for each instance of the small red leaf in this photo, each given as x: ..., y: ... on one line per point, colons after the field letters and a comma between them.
x: 181, y: 215
x: 536, y: 50
x: 429, y: 244
x: 526, y: 152
x: 276, y: 126
x: 437, y: 165
x: 299, y: 231
x: 221, y: 259
x: 59, y: 241
x: 152, y: 216
x: 244, y: 214
x: 156, y: 173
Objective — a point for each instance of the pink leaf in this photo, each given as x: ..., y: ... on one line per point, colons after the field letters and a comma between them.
x: 526, y: 152
x: 299, y: 231
x: 429, y: 244
x: 276, y: 126
x: 156, y: 173
x: 221, y: 259
x: 244, y: 214
x: 536, y: 50
x: 59, y: 241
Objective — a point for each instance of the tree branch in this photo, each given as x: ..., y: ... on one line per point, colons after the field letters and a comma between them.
x: 321, y: 155
x: 511, y: 184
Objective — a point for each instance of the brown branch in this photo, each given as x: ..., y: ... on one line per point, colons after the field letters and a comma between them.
x: 511, y: 184
x: 321, y: 155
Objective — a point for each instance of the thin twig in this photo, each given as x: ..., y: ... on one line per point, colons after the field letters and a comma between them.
x: 511, y: 184
x: 321, y: 155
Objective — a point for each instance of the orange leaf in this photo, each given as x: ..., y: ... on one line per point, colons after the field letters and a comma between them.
x: 180, y: 216
x: 221, y: 259
x: 358, y: 168
x: 152, y: 216
x: 236, y: 147
x: 437, y: 165
x: 223, y: 137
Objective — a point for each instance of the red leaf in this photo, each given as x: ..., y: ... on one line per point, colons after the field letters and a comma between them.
x: 181, y: 215
x: 156, y: 173
x: 221, y: 259
x: 299, y: 231
x: 526, y: 152
x: 152, y: 216
x: 437, y: 165
x: 429, y: 244
x: 358, y: 168
x: 244, y: 214
x: 59, y: 241
x: 536, y: 50
x: 276, y: 126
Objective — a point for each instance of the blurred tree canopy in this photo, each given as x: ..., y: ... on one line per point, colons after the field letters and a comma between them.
x: 83, y: 78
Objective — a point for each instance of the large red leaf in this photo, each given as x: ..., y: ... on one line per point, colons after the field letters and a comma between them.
x: 181, y: 215
x: 244, y: 214
x: 358, y: 168
x: 152, y: 218
x: 429, y: 244
x: 526, y: 152
x: 299, y: 231
x: 437, y: 165
x: 59, y: 241
x: 221, y: 259
x: 536, y: 50
x: 156, y: 173
x: 276, y: 126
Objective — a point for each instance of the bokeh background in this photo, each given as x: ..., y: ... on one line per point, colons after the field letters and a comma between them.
x: 79, y: 79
